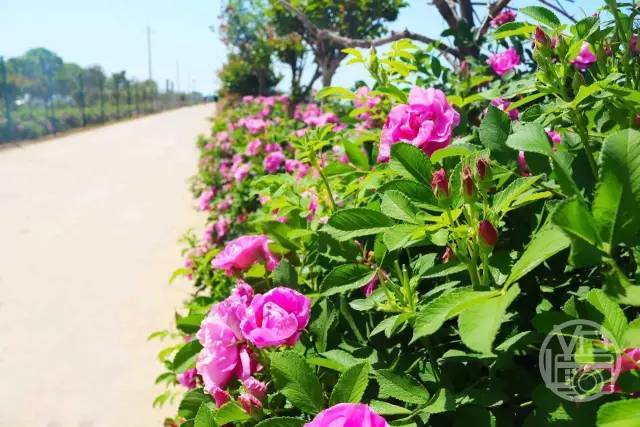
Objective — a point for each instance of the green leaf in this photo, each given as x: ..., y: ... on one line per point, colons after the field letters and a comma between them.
x: 612, y: 317
x: 505, y: 199
x: 411, y: 162
x: 631, y: 336
x: 356, y: 155
x: 415, y: 191
x: 186, y: 357
x: 445, y: 307
x: 454, y: 150
x: 548, y: 241
x: 494, y: 131
x: 443, y: 401
x: 385, y: 408
x: 189, y: 324
x: 191, y: 402
x: 617, y: 200
x: 586, y: 91
x: 397, y: 206
x: 479, y: 324
x: 345, y: 278
x: 336, y: 91
x: 404, y: 235
x: 351, y: 384
x: 349, y: 223
x: 530, y: 137
x: 204, y: 417
x: 401, y: 386
x: 285, y: 274
x: 623, y: 413
x: 282, y: 422
x: 542, y: 15
x: 573, y: 217
x: 297, y: 381
x: 229, y: 413
x: 513, y: 29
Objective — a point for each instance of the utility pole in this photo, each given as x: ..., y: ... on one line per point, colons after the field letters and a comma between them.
x: 149, y: 50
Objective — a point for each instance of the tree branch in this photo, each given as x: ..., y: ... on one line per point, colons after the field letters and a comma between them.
x: 446, y: 13
x: 493, y: 11
x: 323, y: 34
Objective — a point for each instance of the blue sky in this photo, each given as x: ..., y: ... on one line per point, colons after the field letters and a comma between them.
x: 113, y: 34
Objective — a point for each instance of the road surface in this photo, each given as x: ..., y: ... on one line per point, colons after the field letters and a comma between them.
x: 88, y: 231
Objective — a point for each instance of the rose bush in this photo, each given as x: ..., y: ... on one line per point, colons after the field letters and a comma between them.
x: 396, y: 255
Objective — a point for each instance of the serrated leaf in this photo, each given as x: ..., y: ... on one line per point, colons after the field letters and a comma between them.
x: 349, y: 223
x: 613, y: 319
x: 297, y: 381
x: 204, y: 417
x: 478, y: 325
x: 445, y: 307
x: 346, y: 277
x: 617, y: 200
x: 623, y: 413
x: 186, y: 357
x: 385, y: 408
x: 337, y: 91
x: 189, y: 324
x: 530, y: 137
x: 411, y: 162
x: 415, y: 191
x: 396, y: 205
x: 548, y: 241
x: 351, y: 384
x: 575, y: 220
x: 401, y: 386
x: 542, y: 15
x: 229, y: 413
x: 504, y: 199
x: 356, y: 155
x: 191, y: 402
x: 494, y: 131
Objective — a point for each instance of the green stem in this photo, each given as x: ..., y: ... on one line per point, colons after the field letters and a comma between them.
x: 326, y: 184
x: 472, y: 266
x: 584, y: 138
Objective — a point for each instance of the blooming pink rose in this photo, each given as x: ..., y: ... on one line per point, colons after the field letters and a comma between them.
x: 585, y: 58
x: 507, y: 15
x: 273, y: 162
x: 205, y: 199
x: 241, y: 253
x: 255, y: 126
x: 241, y: 172
x: 276, y: 318
x: 348, y: 415
x: 505, y: 61
x: 221, y: 226
x: 247, y: 99
x: 503, y: 104
x: 253, y: 147
x: 220, y: 355
x: 427, y: 122
x: 222, y: 136
x: 273, y: 147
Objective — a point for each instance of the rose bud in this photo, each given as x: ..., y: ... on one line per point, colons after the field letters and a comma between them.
x: 483, y: 168
x: 440, y: 184
x: 540, y: 37
x: 488, y: 233
x: 447, y: 255
x: 467, y: 183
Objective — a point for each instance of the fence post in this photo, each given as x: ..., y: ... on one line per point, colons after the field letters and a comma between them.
x: 5, y: 95
x: 81, y: 99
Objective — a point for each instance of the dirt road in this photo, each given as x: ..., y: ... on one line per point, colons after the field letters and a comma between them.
x: 88, y: 231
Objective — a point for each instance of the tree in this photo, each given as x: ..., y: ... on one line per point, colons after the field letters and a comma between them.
x: 94, y: 79
x: 249, y: 43
x: 313, y: 19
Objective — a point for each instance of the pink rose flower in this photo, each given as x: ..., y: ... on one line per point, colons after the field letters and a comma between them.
x: 276, y: 318
x: 507, y: 15
x: 254, y: 147
x: 273, y: 162
x: 205, y: 199
x: 255, y: 387
x: 221, y: 226
x: 371, y: 286
x: 585, y: 58
x: 629, y: 360
x: 427, y: 122
x: 241, y: 172
x: 255, y: 126
x: 348, y: 415
x: 505, y: 61
x: 241, y: 253
x: 219, y: 358
x: 503, y: 104
x: 188, y: 378
x: 273, y: 147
